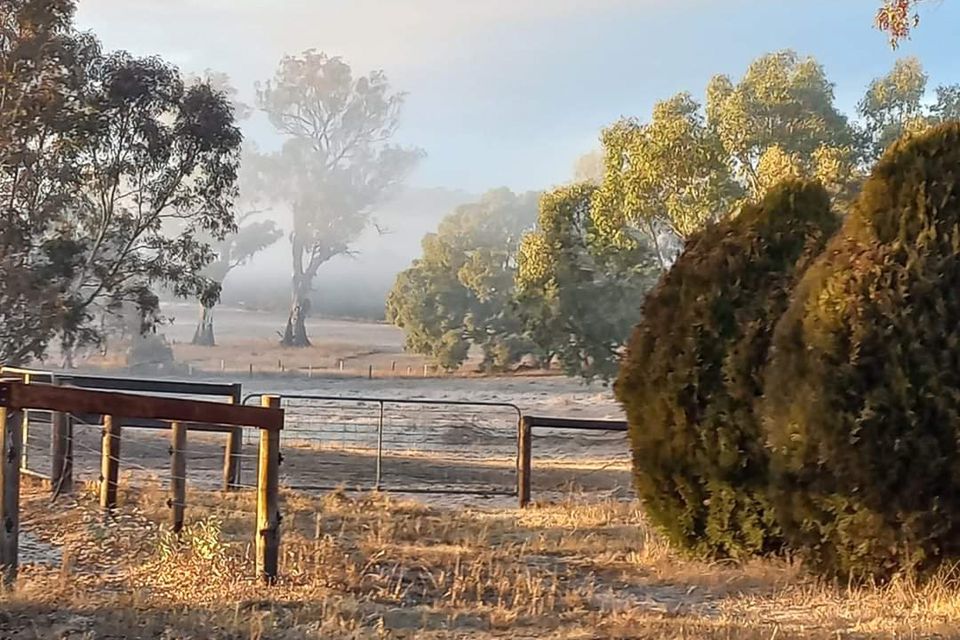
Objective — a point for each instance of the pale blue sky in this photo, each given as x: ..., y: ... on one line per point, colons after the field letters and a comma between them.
x: 511, y: 92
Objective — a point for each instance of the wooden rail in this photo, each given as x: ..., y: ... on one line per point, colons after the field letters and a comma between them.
x: 61, y: 426
x: 16, y: 397
x: 525, y: 444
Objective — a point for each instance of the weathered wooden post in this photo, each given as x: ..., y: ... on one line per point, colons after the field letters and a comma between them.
x: 370, y: 372
x: 11, y: 443
x: 109, y: 462
x: 524, y: 458
x: 234, y: 448
x: 268, y: 499
x: 178, y: 475
x: 61, y: 453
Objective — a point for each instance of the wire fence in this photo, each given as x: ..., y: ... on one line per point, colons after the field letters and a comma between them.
x: 392, y: 444
x: 402, y: 445
x: 145, y: 453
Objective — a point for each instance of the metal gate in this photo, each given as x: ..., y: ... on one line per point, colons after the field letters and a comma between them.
x: 401, y: 445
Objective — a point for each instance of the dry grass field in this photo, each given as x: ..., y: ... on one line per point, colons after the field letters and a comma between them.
x: 580, y: 564
x: 372, y: 566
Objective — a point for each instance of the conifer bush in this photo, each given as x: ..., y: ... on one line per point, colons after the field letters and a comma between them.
x: 862, y: 397
x: 694, y: 371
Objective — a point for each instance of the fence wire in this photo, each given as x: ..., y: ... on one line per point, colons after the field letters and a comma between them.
x: 396, y: 445
x: 399, y: 445
x: 144, y: 453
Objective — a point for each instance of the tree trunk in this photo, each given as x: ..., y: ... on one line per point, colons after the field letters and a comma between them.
x: 204, y: 335
x: 295, y: 334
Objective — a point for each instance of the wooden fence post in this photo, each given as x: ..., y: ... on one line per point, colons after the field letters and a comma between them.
x: 178, y: 475
x: 268, y: 500
x: 234, y: 449
x: 11, y: 442
x: 524, y: 458
x: 61, y: 453
x: 109, y: 462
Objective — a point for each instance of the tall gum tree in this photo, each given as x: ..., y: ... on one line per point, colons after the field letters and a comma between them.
x: 253, y: 232
x: 112, y: 172
x: 662, y: 180
x: 779, y: 121
x: 40, y: 133
x: 159, y: 180
x: 336, y: 163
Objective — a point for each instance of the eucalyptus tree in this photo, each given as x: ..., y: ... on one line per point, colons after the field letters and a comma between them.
x: 336, y: 164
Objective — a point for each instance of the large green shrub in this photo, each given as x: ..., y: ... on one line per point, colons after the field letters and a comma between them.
x: 694, y: 367
x: 862, y: 407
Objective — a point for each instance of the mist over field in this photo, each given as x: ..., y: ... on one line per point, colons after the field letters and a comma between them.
x: 352, y: 286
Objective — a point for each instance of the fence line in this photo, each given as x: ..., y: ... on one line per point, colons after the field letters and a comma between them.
x: 17, y: 398
x: 529, y: 423
x: 425, y: 446
x: 451, y: 446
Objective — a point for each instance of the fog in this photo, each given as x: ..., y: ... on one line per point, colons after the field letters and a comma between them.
x: 349, y: 285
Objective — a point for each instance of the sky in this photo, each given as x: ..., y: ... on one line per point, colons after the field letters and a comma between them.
x: 512, y: 92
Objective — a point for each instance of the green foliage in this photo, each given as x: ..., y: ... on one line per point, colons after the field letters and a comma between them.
x: 783, y: 105
x: 37, y: 49
x: 863, y: 393
x: 896, y: 105
x: 459, y: 293
x: 694, y: 370
x: 668, y: 176
x: 159, y: 169
x: 690, y: 165
x: 100, y: 155
x: 577, y: 302
x: 893, y: 105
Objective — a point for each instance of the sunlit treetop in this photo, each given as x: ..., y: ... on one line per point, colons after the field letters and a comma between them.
x: 898, y: 18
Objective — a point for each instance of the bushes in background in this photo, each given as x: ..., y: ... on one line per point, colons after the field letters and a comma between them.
x: 862, y: 408
x: 694, y: 369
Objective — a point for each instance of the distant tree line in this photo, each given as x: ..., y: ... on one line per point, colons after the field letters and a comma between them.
x: 569, y: 288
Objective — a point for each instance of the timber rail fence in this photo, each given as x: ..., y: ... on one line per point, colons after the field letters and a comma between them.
x: 117, y: 410
x: 393, y: 444
x: 62, y: 426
